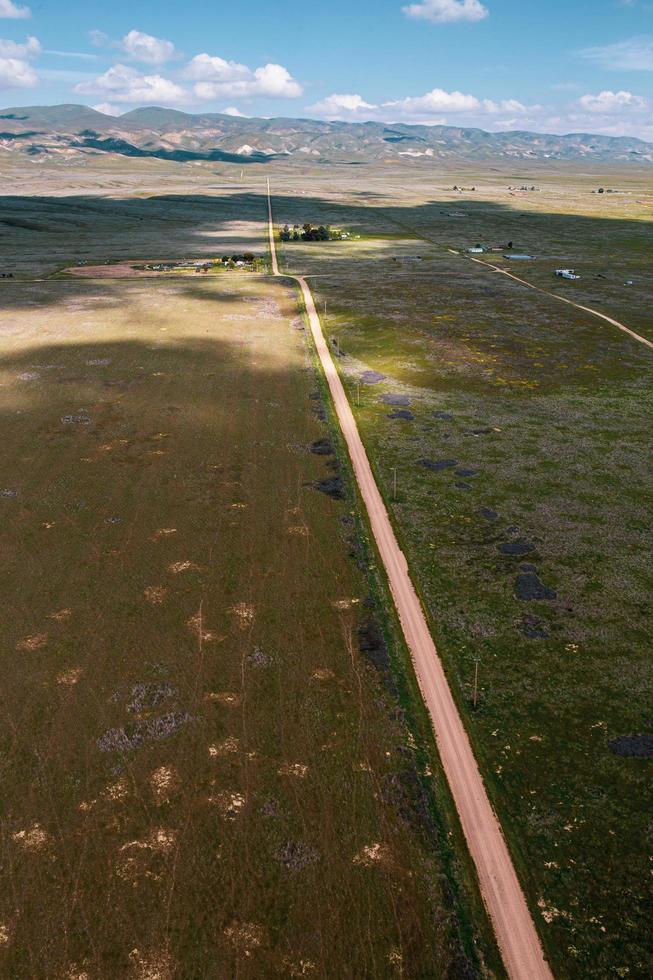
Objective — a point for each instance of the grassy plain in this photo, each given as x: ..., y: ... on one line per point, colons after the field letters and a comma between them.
x: 202, y: 774
x: 534, y: 422
x: 546, y: 413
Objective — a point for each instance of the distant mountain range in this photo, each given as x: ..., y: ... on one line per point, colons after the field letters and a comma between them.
x: 167, y: 134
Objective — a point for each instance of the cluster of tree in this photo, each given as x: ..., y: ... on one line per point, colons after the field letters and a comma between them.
x: 305, y: 233
x: 247, y: 257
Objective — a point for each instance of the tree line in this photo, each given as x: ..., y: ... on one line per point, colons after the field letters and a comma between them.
x: 305, y: 233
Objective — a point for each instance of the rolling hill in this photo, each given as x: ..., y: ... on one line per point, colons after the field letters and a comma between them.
x: 169, y: 134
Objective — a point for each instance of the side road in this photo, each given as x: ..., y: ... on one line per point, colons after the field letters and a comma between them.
x: 500, y: 888
x: 563, y: 299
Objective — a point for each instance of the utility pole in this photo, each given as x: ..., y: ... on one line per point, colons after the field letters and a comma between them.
x: 394, y: 488
x: 477, y: 661
x: 358, y: 393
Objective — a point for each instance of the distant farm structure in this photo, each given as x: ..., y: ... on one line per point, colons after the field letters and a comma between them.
x: 314, y: 233
x: 242, y: 260
x: 567, y: 274
x: 479, y: 249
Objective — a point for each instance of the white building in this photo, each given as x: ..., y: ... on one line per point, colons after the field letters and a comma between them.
x: 567, y: 274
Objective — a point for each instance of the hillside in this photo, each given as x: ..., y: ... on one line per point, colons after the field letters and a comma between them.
x: 168, y: 134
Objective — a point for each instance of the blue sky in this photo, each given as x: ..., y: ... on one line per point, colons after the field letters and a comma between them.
x: 547, y: 65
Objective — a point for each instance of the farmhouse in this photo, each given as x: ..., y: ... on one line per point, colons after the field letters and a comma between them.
x: 567, y: 274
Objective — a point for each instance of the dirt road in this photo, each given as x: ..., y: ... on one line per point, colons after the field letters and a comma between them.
x: 563, y: 299
x: 500, y: 888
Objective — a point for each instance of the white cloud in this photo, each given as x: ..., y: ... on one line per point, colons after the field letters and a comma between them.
x: 108, y: 109
x: 146, y: 48
x: 99, y: 38
x: 447, y: 11
x: 138, y: 46
x: 216, y: 78
x: 16, y: 73
x: 123, y: 84
x: 610, y: 102
x: 210, y: 68
x: 434, y: 102
x: 607, y: 113
x: 233, y: 111
x: 212, y: 77
x: 343, y: 107
x: 635, y: 54
x: 12, y: 11
x: 12, y: 49
x: 82, y: 55
x: 427, y: 109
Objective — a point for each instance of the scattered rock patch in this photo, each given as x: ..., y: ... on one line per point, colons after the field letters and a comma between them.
x: 146, y: 697
x: 154, y: 729
x: 271, y: 808
x: 372, y: 377
x: 436, y: 465
x: 318, y: 407
x: 321, y: 447
x: 332, y: 486
x: 533, y: 628
x: 259, y: 658
x: 633, y: 746
x: 516, y: 548
x: 296, y: 856
x: 402, y: 400
x: 405, y: 792
x: 530, y: 588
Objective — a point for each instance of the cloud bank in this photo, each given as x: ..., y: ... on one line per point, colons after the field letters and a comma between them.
x: 12, y: 11
x: 447, y: 11
x: 620, y: 113
x: 15, y: 70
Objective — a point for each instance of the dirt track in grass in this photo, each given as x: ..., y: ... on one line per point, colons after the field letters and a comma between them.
x: 500, y: 888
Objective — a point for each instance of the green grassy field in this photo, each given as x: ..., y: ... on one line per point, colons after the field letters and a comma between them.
x: 520, y: 435
x: 203, y: 775
x: 544, y: 412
